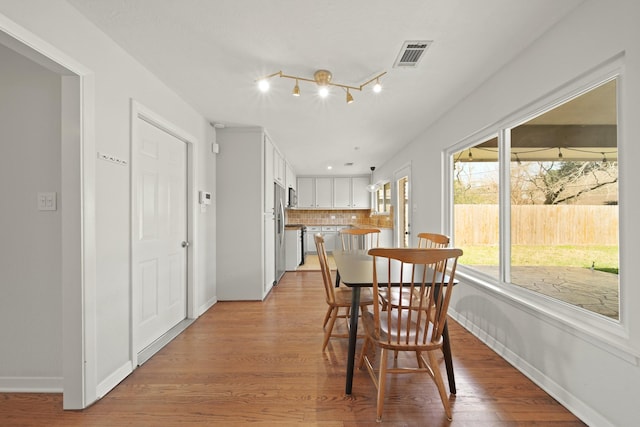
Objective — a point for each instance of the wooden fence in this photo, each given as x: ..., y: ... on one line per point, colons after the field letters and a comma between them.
x: 538, y: 225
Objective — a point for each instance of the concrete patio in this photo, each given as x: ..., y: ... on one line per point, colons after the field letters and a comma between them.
x: 593, y: 290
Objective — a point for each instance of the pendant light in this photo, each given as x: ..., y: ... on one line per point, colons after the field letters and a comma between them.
x: 372, y: 187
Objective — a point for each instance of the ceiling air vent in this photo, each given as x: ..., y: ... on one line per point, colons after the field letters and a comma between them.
x: 411, y: 53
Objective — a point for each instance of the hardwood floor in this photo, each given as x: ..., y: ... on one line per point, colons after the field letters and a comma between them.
x: 261, y: 363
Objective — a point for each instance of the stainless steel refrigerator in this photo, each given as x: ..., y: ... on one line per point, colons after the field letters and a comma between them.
x: 279, y: 201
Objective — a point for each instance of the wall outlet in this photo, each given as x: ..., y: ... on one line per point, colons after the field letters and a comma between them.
x: 47, y: 202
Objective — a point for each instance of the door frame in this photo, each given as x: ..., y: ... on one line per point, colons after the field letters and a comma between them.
x: 398, y: 174
x: 78, y: 163
x: 140, y: 112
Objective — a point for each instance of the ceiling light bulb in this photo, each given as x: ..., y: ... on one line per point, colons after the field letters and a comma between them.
x: 377, y: 88
x: 323, y: 91
x: 349, y: 97
x: 296, y: 89
x: 263, y: 85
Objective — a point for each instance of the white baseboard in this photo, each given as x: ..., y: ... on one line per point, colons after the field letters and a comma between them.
x: 113, y: 380
x: 207, y: 305
x: 165, y: 339
x: 31, y: 384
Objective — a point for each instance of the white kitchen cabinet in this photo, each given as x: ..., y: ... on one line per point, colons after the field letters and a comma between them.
x: 293, y: 249
x: 360, y: 196
x: 312, y: 230
x: 315, y: 192
x: 338, y: 192
x: 351, y: 192
x: 278, y: 167
x: 244, y: 218
x: 342, y: 192
x: 330, y: 234
x: 268, y: 173
x: 306, y: 193
x: 290, y: 177
x: 324, y: 192
x: 269, y: 253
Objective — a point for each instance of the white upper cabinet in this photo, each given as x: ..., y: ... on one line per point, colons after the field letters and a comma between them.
x: 289, y: 181
x: 306, y: 193
x: 339, y: 192
x: 324, y: 192
x: 290, y: 177
x: 342, y: 192
x: 360, y: 196
x: 278, y: 167
x: 268, y: 174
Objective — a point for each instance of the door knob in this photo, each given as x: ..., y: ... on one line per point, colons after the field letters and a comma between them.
x: 184, y: 244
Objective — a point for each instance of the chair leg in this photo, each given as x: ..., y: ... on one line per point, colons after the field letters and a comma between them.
x: 326, y: 316
x: 437, y: 377
x: 382, y: 382
x: 365, y: 348
x: 329, y: 329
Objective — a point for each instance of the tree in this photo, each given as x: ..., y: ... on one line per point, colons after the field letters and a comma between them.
x: 475, y: 183
x: 554, y: 183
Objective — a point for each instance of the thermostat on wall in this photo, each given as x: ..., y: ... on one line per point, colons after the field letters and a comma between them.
x: 205, y: 198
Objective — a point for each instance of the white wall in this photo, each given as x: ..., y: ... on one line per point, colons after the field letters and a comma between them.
x: 595, y: 380
x: 117, y: 78
x: 30, y: 259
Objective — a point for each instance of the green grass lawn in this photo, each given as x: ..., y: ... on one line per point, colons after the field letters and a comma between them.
x: 604, y: 258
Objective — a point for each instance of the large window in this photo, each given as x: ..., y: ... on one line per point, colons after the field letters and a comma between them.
x: 476, y: 193
x: 560, y: 228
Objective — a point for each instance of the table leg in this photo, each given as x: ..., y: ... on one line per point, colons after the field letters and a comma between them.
x: 337, y: 278
x: 353, y: 335
x: 448, y: 362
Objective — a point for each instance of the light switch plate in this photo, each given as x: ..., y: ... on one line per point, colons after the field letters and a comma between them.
x: 47, y: 201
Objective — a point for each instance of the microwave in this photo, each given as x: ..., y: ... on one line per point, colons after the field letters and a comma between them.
x: 293, y: 200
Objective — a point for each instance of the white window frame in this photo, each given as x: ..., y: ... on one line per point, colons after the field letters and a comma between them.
x: 611, y: 335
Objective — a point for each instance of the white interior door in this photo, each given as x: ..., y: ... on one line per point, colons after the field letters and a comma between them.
x: 159, y: 233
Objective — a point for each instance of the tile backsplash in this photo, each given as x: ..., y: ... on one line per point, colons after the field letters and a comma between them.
x: 339, y: 217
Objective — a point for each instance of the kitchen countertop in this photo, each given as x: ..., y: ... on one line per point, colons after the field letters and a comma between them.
x: 295, y: 226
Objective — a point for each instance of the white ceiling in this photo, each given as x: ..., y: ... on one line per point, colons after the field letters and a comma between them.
x: 212, y: 51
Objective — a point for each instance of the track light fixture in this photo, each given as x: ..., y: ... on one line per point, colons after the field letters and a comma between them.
x: 349, y: 97
x: 377, y: 88
x: 322, y: 78
x: 296, y: 89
